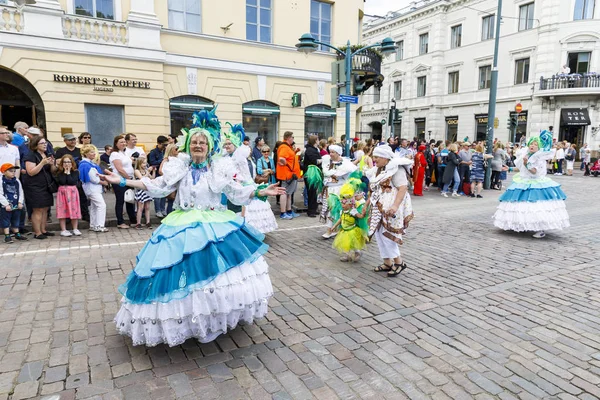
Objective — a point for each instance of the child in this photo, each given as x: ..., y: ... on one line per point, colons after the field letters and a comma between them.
x: 142, y: 197
x: 89, y: 173
x: 353, y: 234
x: 67, y: 198
x: 11, y: 200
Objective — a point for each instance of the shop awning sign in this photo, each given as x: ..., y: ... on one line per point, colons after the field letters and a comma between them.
x: 575, y: 117
x: 260, y: 110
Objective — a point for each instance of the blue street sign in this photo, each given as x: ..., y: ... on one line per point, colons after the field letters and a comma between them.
x: 344, y: 98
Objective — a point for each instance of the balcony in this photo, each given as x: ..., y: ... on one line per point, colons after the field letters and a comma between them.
x: 568, y: 85
x: 366, y: 67
x: 95, y: 30
x: 11, y: 19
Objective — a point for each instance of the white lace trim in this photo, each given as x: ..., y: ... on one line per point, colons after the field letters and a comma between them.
x: 532, y: 216
x: 260, y: 216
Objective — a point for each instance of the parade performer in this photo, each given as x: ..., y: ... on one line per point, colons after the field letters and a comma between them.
x: 202, y: 271
x: 336, y: 170
x: 533, y: 202
x: 391, y: 207
x: 419, y: 171
x: 353, y: 223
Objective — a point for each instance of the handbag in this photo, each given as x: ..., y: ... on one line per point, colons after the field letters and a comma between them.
x: 129, y: 196
x: 260, y: 179
x: 51, y: 183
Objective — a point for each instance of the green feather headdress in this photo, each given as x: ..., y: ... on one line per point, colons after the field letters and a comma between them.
x: 207, y: 123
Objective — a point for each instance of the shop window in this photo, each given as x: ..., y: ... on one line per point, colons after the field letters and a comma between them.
x: 400, y: 50
x: 320, y: 22
x: 258, y: 20
x: 185, y: 15
x: 453, y: 82
x: 421, y: 86
x: 522, y: 71
x: 526, y: 16
x: 455, y: 36
x: 584, y: 9
x: 579, y: 63
x: 487, y: 27
x: 485, y: 77
x: 319, y: 120
x: 424, y: 43
x: 261, y: 118
x: 104, y: 122
x: 181, y: 109
x: 95, y: 8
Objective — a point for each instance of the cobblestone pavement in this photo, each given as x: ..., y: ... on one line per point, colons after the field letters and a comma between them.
x: 479, y: 314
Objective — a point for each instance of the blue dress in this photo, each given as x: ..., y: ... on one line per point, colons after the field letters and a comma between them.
x: 477, y: 170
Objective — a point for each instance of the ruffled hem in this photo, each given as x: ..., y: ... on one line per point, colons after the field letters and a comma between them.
x: 518, y: 182
x: 513, y: 194
x: 260, y: 216
x: 239, y: 295
x: 532, y: 216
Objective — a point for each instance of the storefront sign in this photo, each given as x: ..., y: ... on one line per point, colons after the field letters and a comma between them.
x: 101, y: 84
x: 419, y: 120
x: 521, y: 117
x: 482, y: 119
x: 452, y: 120
x: 575, y: 116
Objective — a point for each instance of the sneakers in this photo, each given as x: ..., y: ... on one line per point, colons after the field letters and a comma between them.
x: 18, y: 236
x: 100, y: 229
x: 444, y: 194
x: 558, y: 174
x: 472, y: 195
x: 8, y: 239
x: 76, y: 232
x: 328, y: 235
x: 40, y: 237
x: 66, y: 233
x: 160, y: 215
x: 539, y: 235
x: 93, y: 228
x: 293, y: 214
x: 479, y: 196
x: 454, y: 194
x: 286, y: 216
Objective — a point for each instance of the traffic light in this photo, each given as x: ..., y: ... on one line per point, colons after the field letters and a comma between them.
x: 296, y: 100
x: 511, y: 123
x: 359, y: 85
x: 397, y: 114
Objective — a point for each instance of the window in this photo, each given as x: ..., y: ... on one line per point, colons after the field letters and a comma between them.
x: 95, y: 8
x: 522, y: 71
x: 485, y: 77
x: 453, y: 82
x: 487, y: 27
x: 579, y: 63
x: 376, y: 95
x: 455, y: 36
x: 398, y: 90
x: 424, y: 43
x: 184, y: 15
x: 104, y: 122
x: 421, y: 86
x: 320, y: 22
x: 584, y: 9
x: 258, y: 20
x: 400, y: 50
x: 526, y: 17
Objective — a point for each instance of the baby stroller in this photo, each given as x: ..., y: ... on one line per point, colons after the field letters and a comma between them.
x: 595, y: 169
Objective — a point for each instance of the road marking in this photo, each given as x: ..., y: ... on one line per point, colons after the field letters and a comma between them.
x: 300, y: 228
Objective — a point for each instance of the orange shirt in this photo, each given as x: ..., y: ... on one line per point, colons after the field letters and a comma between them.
x: 293, y: 166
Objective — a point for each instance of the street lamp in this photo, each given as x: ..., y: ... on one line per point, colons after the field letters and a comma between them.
x: 308, y: 44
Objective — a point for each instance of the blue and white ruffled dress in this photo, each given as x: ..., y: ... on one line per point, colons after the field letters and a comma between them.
x: 533, y: 202
x: 202, y: 272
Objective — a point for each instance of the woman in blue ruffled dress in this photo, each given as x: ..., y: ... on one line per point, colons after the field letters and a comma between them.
x: 202, y: 272
x: 533, y: 202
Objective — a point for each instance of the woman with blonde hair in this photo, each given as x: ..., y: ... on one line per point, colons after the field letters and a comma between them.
x: 89, y: 175
x: 323, y: 147
x: 497, y: 163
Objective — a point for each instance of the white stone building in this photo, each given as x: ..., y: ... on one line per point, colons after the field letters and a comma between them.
x: 441, y: 73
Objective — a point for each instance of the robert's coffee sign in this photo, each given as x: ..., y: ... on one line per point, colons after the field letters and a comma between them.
x: 101, y: 84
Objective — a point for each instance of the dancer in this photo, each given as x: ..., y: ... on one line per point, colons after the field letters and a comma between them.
x: 202, y: 271
x: 391, y: 207
x: 419, y: 171
x: 533, y: 202
x: 336, y: 170
x: 353, y: 222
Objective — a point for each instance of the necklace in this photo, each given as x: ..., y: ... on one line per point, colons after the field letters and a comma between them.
x: 200, y: 165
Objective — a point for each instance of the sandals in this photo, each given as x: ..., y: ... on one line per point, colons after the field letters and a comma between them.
x: 396, y: 270
x: 380, y: 268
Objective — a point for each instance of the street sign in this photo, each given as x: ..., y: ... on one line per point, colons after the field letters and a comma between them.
x: 383, y: 122
x: 344, y: 98
x: 518, y: 108
x: 496, y: 122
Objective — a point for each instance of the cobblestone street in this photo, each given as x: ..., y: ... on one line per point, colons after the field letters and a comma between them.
x: 479, y: 314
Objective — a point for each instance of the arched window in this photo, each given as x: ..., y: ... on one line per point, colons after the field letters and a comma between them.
x: 261, y: 118
x: 319, y: 120
x: 182, y: 108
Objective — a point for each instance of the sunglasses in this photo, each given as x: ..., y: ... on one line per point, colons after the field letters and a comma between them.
x: 266, y: 151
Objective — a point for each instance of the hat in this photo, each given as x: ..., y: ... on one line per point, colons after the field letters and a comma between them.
x: 35, y: 131
x: 355, y: 139
x: 7, y: 166
x: 336, y: 148
x: 67, y: 136
x: 384, y: 151
x: 466, y: 144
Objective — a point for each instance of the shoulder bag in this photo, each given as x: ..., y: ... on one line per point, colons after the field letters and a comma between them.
x: 51, y: 183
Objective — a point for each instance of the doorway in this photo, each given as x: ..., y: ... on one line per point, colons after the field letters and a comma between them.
x: 19, y: 101
x: 572, y: 134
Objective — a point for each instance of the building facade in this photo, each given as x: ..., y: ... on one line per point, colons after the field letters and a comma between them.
x: 143, y: 66
x: 549, y: 63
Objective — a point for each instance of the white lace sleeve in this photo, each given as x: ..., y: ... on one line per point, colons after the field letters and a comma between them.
x: 174, y: 170
x: 223, y: 181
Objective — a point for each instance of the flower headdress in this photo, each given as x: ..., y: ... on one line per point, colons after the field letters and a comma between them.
x: 206, y: 122
x: 236, y: 135
x: 544, y: 141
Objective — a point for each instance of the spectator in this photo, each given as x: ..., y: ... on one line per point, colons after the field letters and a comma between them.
x: 497, y: 163
x: 288, y: 173
x: 560, y: 158
x: 92, y: 186
x: 20, y: 133
x: 85, y: 138
x: 419, y: 169
x: 266, y: 166
x: 105, y: 158
x: 70, y: 148
x: 39, y: 184
x: 403, y: 150
x: 464, y: 168
x: 9, y: 154
x: 142, y: 198
x: 259, y: 143
x: 359, y: 153
x: 312, y: 156
x: 11, y: 202
x: 587, y: 158
x: 155, y: 158
x: 171, y: 151
x: 323, y: 147
x: 173, y: 138
x: 570, y: 158
x: 478, y: 171
x: 131, y: 150
x: 429, y: 154
x: 24, y: 148
x: 442, y: 159
x: 582, y: 156
x: 451, y: 171
x: 121, y: 164
x: 67, y: 198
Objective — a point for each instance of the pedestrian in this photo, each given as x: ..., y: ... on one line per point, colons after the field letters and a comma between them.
x: 202, y: 272
x: 259, y: 143
x: 85, y: 138
x: 451, y: 172
x: 105, y: 157
x: 587, y: 158
x: 497, y: 163
x: 67, y: 198
x: 12, y: 199
x: 122, y: 165
x: 478, y: 170
x: 131, y: 148
x: 582, y: 156
x: 70, y: 148
x: 142, y: 198
x: 89, y: 175
x: 288, y: 174
x: 533, y: 202
x: 570, y: 155
x: 155, y: 158
x: 560, y: 158
x: 464, y: 169
x: 312, y: 156
x: 391, y: 207
x: 419, y: 169
x: 323, y: 147
x: 441, y: 158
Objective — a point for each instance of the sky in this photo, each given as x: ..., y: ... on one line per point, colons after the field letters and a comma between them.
x: 381, y: 7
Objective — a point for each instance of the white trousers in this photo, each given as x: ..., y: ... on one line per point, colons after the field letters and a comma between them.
x: 97, y: 209
x: 387, y: 248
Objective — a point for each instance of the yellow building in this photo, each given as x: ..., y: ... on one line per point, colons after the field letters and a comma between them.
x: 142, y: 66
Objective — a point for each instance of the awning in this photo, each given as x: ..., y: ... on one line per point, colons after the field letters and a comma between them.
x: 320, y: 113
x: 183, y: 105
x: 261, y: 110
x: 575, y: 117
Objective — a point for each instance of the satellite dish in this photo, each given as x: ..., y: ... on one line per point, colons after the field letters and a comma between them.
x: 22, y: 3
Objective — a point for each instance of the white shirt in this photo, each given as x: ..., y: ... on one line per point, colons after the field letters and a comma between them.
x: 125, y: 160
x: 560, y: 154
x: 9, y: 154
x: 138, y: 149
